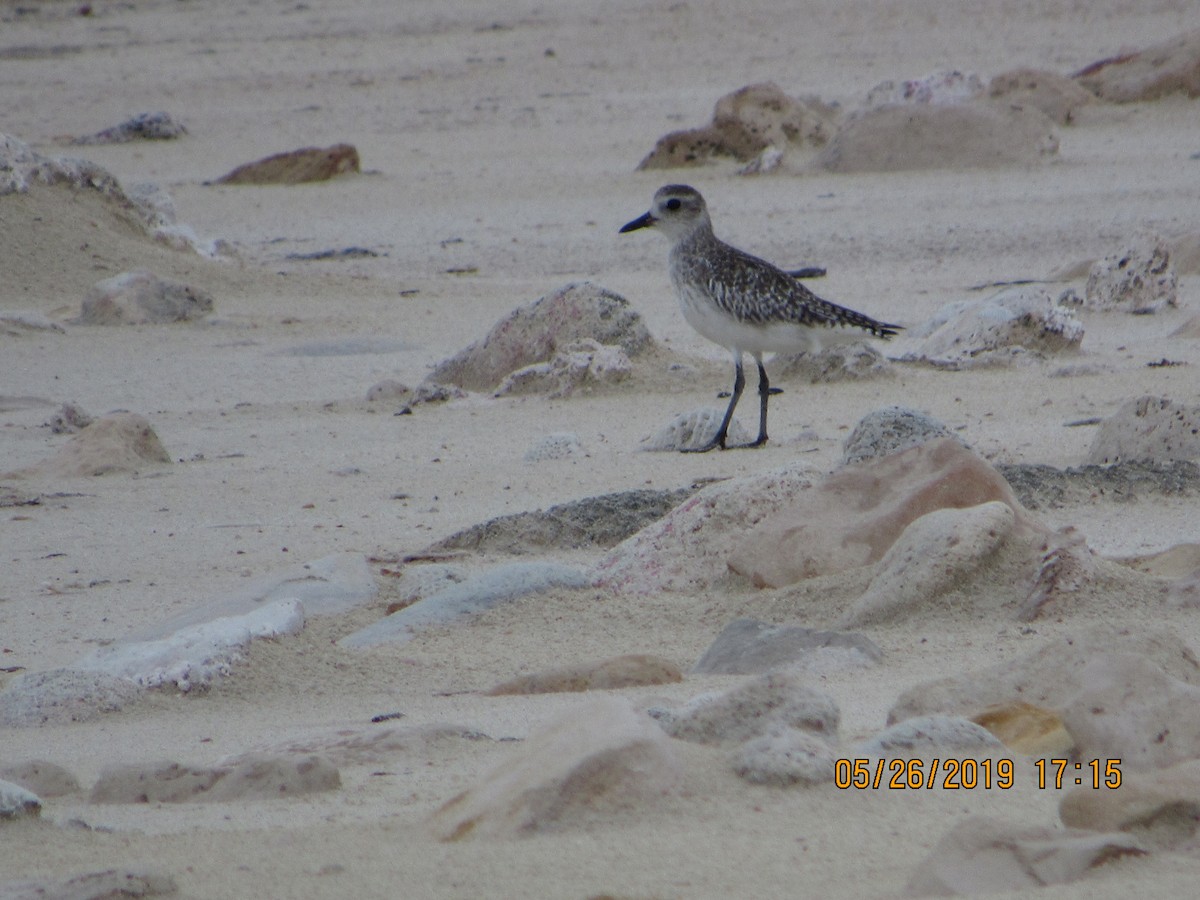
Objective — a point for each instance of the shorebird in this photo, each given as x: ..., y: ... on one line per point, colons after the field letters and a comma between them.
x: 741, y: 302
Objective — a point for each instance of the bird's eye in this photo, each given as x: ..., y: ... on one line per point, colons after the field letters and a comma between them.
x: 673, y: 203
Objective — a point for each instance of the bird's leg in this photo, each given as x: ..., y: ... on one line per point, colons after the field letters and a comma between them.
x: 764, y: 391
x: 739, y: 382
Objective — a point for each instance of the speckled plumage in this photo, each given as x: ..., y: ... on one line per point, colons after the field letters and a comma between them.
x: 740, y: 301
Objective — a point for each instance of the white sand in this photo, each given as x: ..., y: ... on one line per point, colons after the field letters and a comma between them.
x: 484, y: 149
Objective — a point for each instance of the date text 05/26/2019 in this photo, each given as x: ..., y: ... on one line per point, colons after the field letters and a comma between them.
x: 954, y: 774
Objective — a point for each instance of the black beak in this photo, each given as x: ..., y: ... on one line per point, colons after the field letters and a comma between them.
x: 642, y: 222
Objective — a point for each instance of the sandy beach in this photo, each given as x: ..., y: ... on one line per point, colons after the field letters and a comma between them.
x: 499, y: 145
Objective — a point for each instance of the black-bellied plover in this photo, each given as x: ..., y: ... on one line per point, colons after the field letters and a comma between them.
x: 742, y: 302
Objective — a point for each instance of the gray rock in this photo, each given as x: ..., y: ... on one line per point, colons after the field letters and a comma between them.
x: 44, y: 778
x: 890, y: 430
x: 18, y: 803
x: 1148, y: 428
x: 947, y: 735
x: 1138, y: 279
x: 141, y: 297
x: 748, y: 647
x: 561, y: 445
x: 1038, y: 486
x: 501, y: 584
x: 979, y: 855
x: 769, y: 702
x: 785, y: 756
x: 602, y: 521
x: 69, y: 419
x: 390, y: 390
x: 945, y: 86
x: 694, y: 429
x: 60, y: 696
x: 107, y: 885
x: 147, y: 126
x: 534, y: 333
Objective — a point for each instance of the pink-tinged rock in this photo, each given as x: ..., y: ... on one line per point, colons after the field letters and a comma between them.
x: 1058, y: 97
x: 1168, y: 68
x: 690, y: 547
x: 1130, y: 709
x: 979, y: 855
x: 1161, y: 807
x: 745, y: 124
x: 856, y: 515
x: 534, y: 333
x: 1050, y: 676
x: 599, y: 757
x: 296, y: 166
x: 935, y: 551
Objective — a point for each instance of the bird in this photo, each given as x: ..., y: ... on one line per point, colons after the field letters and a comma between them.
x: 742, y: 302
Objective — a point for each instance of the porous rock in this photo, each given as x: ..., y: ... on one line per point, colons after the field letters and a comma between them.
x: 854, y: 516
x: 534, y: 333
x: 141, y: 298
x: 749, y: 647
x: 890, y: 430
x: 1058, y: 97
x: 745, y: 124
x: 933, y: 553
x: 296, y: 166
x: 596, y: 758
x: 925, y: 735
x: 579, y: 366
x: 41, y: 776
x: 941, y: 87
x: 1147, y: 428
x: 1162, y: 807
x: 979, y: 855
x: 59, y: 696
x: 785, y: 756
x: 1138, y: 279
x: 694, y: 429
x: 688, y: 549
x: 775, y: 700
x: 70, y: 419
x: 1170, y: 67
x: 1010, y: 325
x: 630, y: 670
x: 147, y: 126
x: 904, y: 137
x: 847, y: 362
